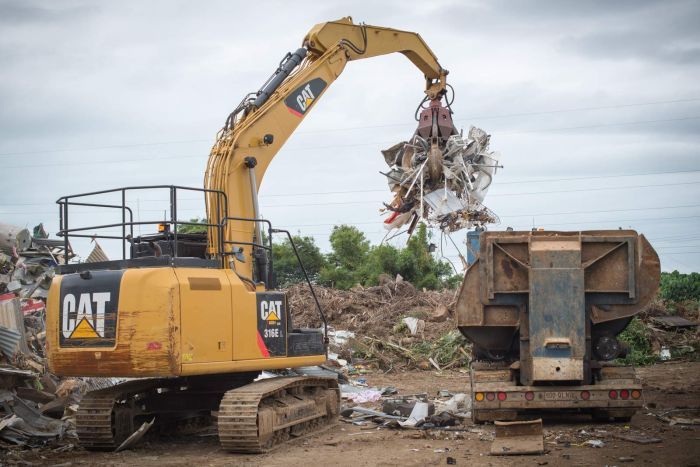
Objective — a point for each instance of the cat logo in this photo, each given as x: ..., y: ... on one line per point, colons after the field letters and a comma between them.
x: 272, y: 323
x: 270, y: 311
x: 84, y: 315
x: 303, y: 97
x: 88, y: 309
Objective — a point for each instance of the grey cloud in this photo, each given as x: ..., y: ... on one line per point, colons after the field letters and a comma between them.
x: 666, y: 32
x: 635, y: 44
x: 29, y: 11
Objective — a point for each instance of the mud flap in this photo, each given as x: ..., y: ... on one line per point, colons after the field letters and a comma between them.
x: 520, y: 437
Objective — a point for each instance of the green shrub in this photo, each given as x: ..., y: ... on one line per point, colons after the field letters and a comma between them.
x: 677, y: 287
x: 637, y: 337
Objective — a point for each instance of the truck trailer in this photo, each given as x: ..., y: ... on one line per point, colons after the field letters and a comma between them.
x: 544, y: 311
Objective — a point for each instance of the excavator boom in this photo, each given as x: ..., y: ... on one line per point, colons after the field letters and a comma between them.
x: 256, y: 131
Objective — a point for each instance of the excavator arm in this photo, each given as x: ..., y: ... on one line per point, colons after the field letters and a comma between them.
x: 361, y: 41
x: 258, y: 128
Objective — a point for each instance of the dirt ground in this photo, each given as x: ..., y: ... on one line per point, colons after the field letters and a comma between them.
x: 667, y: 386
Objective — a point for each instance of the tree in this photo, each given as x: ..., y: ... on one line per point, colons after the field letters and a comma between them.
x: 344, y: 264
x: 454, y: 281
x: 189, y: 228
x: 418, y: 266
x: 286, y: 266
x: 382, y: 259
x: 353, y: 261
x: 350, y: 247
x: 677, y: 287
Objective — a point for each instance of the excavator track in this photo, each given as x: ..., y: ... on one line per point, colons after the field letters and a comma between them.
x: 94, y: 422
x: 252, y: 417
x: 263, y: 415
x: 105, y: 417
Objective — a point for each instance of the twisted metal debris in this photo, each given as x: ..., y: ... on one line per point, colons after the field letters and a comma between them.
x: 439, y: 176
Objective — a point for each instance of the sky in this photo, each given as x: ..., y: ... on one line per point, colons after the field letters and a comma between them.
x: 594, y: 107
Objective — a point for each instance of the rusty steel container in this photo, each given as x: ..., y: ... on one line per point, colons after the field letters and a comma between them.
x: 554, y: 302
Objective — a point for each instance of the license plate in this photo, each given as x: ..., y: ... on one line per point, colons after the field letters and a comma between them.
x: 560, y: 396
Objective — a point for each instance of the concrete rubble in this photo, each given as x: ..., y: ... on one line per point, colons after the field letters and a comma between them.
x: 444, y: 189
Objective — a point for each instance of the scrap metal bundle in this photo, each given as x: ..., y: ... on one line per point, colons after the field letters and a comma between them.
x: 27, y: 260
x: 439, y: 175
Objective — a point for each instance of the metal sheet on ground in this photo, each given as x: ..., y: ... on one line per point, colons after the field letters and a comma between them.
x: 516, y: 438
x: 135, y: 436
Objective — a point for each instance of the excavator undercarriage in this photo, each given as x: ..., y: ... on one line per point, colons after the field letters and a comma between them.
x: 253, y: 417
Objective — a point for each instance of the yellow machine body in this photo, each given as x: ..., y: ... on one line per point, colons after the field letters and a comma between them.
x: 172, y: 322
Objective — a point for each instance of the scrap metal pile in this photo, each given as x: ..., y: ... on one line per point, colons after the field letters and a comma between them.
x: 36, y: 407
x: 27, y: 260
x: 439, y: 175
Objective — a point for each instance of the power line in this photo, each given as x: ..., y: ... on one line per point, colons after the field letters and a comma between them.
x: 385, y: 191
x: 120, y: 161
x: 610, y: 221
x: 97, y: 148
x: 158, y: 143
x: 618, y: 221
x: 600, y: 210
x: 675, y: 238
x: 600, y: 125
x: 520, y: 215
x: 340, y: 203
x: 335, y: 146
x: 593, y: 189
x: 595, y: 177
x: 521, y: 114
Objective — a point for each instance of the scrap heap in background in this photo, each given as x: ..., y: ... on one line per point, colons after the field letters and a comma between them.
x: 439, y: 176
x: 27, y: 260
x: 36, y: 407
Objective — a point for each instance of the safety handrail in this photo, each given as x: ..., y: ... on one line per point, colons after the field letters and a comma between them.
x: 65, y: 202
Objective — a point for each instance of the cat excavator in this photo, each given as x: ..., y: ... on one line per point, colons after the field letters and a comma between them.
x: 192, y: 318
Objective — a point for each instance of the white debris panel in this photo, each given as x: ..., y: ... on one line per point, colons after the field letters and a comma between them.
x: 442, y: 183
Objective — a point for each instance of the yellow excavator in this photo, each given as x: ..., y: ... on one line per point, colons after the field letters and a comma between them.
x: 193, y: 318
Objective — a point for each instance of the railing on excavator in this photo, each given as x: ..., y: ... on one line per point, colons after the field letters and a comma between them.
x: 127, y: 224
